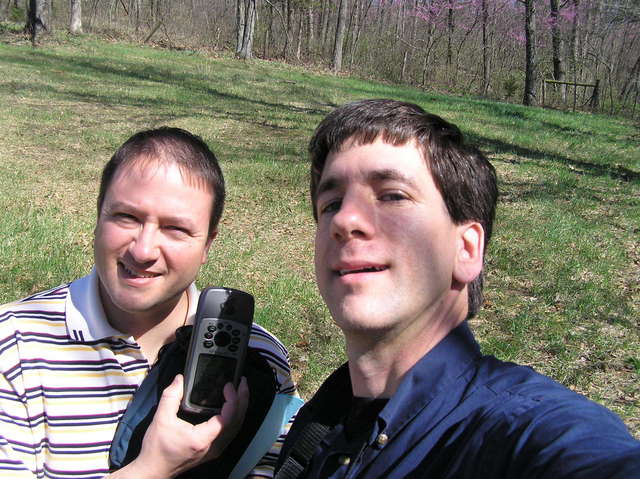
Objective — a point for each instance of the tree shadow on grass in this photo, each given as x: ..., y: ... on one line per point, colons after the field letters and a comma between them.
x: 526, y: 120
x: 543, y: 158
x: 515, y: 192
x: 216, y: 100
x: 189, y: 95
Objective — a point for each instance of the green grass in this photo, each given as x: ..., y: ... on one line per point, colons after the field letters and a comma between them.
x: 562, y: 291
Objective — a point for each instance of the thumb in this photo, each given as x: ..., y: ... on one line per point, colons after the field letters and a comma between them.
x: 171, y: 397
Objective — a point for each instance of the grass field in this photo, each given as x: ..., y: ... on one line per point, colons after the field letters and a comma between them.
x: 563, y: 292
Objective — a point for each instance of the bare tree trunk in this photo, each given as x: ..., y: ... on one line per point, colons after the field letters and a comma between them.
x: 573, y: 40
x: 632, y: 78
x: 584, y: 42
x: 137, y: 7
x: 287, y: 28
x: 249, y: 29
x: 300, y: 33
x: 339, y: 42
x: 405, y: 61
x: 310, y: 30
x: 556, y: 47
x: 354, y: 28
x: 425, y: 66
x: 192, y: 20
x: 37, y: 19
x: 402, y: 32
x: 267, y: 32
x: 326, y: 9
x: 400, y: 20
x: 529, y: 96
x: 50, y: 25
x: 412, y: 38
x: 485, y: 49
x: 321, y: 20
x: 558, y: 73
x: 573, y: 46
x: 241, y: 18
x: 75, y: 25
x: 450, y: 26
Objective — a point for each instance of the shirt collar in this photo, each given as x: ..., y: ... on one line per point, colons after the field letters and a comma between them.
x: 86, y: 319
x: 448, y: 362
x: 434, y: 373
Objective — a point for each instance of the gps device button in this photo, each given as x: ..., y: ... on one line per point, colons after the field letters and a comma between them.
x: 222, y: 338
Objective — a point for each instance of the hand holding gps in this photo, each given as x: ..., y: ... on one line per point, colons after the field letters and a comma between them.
x: 217, y: 348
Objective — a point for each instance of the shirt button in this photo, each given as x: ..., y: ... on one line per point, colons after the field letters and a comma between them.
x: 344, y: 460
x: 382, y: 439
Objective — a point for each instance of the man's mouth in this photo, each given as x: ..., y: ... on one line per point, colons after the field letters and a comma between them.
x: 370, y: 269
x: 137, y: 274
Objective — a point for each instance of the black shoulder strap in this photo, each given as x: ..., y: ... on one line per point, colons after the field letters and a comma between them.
x: 314, y: 421
x: 302, y: 451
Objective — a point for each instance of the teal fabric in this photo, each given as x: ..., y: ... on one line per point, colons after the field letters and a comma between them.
x: 282, y: 409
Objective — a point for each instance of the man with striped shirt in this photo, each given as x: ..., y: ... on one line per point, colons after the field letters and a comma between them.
x: 71, y: 358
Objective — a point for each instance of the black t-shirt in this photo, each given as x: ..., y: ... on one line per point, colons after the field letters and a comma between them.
x: 361, y: 418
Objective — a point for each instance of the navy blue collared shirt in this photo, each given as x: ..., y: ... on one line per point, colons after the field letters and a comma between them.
x: 458, y: 414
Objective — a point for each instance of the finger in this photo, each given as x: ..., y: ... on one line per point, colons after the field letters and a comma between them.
x: 171, y: 397
x: 231, y: 417
x: 209, y: 430
x: 230, y: 393
x: 230, y: 403
x: 243, y: 396
x: 236, y: 402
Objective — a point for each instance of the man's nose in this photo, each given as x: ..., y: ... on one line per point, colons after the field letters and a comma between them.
x: 354, y: 219
x: 144, y: 246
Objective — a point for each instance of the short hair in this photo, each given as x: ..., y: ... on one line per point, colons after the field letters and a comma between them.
x: 465, y: 178
x: 173, y: 145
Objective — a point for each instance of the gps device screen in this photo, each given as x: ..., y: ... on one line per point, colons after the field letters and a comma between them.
x: 212, y: 373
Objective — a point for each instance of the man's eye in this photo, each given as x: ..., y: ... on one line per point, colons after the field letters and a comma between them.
x: 393, y: 196
x: 331, y: 206
x: 125, y: 217
x: 177, y: 229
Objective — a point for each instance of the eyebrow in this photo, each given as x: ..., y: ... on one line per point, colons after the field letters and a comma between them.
x: 389, y: 174
x: 328, y: 184
x: 376, y: 176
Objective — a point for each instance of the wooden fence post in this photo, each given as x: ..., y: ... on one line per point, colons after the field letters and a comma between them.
x: 595, y: 97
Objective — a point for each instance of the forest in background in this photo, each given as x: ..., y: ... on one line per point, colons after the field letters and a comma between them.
x: 509, y: 50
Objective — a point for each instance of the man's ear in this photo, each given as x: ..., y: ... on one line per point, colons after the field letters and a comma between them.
x: 205, y: 254
x: 469, y: 253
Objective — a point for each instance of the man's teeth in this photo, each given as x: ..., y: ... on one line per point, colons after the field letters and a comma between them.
x: 342, y: 272
x: 136, y: 274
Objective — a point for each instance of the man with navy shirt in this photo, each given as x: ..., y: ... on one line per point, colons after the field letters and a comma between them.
x: 404, y: 212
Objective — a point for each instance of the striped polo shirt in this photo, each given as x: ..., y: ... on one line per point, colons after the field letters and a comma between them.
x: 67, y: 377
